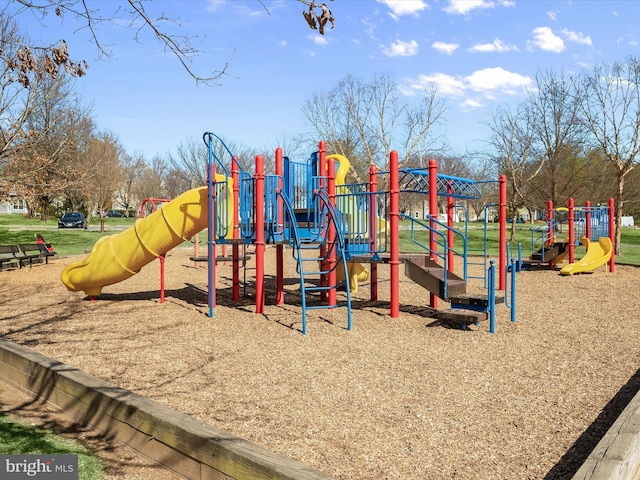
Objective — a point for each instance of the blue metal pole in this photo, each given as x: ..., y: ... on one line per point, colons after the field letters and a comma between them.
x: 210, y: 251
x: 492, y: 296
x: 519, y: 257
x: 513, y: 291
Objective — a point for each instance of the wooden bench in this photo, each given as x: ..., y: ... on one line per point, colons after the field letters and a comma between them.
x: 10, y: 256
x: 35, y: 253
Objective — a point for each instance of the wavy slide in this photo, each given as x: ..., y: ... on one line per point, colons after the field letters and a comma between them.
x: 117, y: 257
x: 357, y: 272
x: 598, y: 253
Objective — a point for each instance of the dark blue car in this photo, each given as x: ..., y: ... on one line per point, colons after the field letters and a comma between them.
x: 72, y: 220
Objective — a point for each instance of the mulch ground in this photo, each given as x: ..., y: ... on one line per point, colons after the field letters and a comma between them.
x: 392, y: 399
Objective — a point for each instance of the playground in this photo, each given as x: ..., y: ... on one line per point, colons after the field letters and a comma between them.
x: 386, y: 384
x: 393, y: 398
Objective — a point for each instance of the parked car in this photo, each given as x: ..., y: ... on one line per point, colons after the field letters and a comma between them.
x: 72, y: 220
x: 114, y: 214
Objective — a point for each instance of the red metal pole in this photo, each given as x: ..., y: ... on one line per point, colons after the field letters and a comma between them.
x: 196, y: 249
x: 322, y: 164
x: 260, y: 242
x: 572, y: 232
x: 235, y: 265
x: 280, y: 247
x: 587, y: 219
x: 612, y: 235
x: 331, y: 233
x: 502, y: 244
x: 394, y: 218
x: 433, y: 215
x: 373, y: 231
x: 161, y: 257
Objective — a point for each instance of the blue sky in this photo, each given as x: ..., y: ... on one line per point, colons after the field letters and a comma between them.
x: 479, y: 54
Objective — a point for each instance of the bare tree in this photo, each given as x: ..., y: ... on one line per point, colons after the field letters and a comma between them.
x: 46, y: 166
x: 133, y: 168
x: 105, y: 152
x: 136, y: 14
x: 16, y: 102
x: 609, y: 98
x: 559, y: 140
x: 512, y: 137
x: 191, y: 157
x: 190, y: 162
x: 150, y: 183
x: 364, y: 120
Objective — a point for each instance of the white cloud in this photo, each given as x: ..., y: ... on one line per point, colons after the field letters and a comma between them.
x: 244, y: 11
x: 213, y: 5
x: 405, y: 7
x: 401, y: 49
x: 463, y: 7
x: 446, y: 84
x: 545, y: 39
x: 498, y: 79
x: 446, y: 48
x: 369, y: 28
x: 485, y: 84
x: 470, y: 104
x: 496, y: 46
x: 319, y: 40
x: 577, y: 37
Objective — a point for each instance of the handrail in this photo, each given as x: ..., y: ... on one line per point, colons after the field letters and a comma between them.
x: 443, y: 242
x: 362, y: 234
x: 207, y: 138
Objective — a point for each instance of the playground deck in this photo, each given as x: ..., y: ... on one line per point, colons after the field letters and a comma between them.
x: 393, y: 398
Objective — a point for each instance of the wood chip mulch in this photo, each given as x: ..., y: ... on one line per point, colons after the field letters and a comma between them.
x: 405, y: 398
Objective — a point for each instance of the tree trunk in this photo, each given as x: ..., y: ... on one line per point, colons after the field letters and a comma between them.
x: 45, y: 203
x: 619, y: 203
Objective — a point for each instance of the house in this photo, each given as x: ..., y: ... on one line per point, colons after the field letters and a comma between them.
x: 12, y: 203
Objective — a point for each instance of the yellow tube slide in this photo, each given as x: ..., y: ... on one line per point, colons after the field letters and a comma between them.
x: 120, y: 256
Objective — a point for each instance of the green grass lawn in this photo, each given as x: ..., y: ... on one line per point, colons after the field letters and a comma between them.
x: 18, y: 438
x: 16, y: 229
x: 630, y: 241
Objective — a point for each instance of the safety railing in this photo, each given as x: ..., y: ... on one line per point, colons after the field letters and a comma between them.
x: 361, y: 215
x: 446, y: 253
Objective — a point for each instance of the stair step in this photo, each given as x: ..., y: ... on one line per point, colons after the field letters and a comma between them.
x: 473, y: 300
x: 431, y: 276
x: 546, y: 254
x: 461, y: 316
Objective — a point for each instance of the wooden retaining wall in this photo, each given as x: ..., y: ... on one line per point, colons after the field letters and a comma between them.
x: 617, y: 455
x: 191, y: 448
x: 202, y: 452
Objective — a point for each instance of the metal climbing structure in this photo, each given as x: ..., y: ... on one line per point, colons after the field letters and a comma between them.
x: 333, y: 227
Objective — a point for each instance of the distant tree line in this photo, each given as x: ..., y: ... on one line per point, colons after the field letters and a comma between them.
x: 575, y: 135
